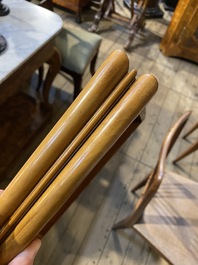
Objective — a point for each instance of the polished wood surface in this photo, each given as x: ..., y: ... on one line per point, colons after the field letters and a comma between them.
x: 68, y: 152
x: 166, y: 212
x: 118, y: 109
x: 181, y: 38
x: 83, y: 234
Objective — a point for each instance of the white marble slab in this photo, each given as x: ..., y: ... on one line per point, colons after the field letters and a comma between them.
x: 27, y: 28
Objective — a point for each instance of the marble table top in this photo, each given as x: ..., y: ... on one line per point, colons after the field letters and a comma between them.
x: 27, y: 28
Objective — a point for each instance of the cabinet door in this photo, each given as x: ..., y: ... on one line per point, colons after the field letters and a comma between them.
x: 188, y: 39
x: 181, y: 37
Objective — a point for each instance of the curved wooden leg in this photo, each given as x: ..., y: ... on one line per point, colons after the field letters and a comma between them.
x: 77, y: 85
x: 191, y: 130
x: 40, y: 77
x: 140, y: 184
x: 190, y: 150
x: 137, y: 213
x: 132, y: 34
x: 54, y: 67
x: 93, y: 64
x: 137, y: 22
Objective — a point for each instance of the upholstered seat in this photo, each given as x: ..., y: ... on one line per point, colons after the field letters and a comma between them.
x: 78, y: 49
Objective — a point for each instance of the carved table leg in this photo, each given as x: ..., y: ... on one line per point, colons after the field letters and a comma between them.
x: 137, y: 23
x: 99, y: 14
x: 54, y: 67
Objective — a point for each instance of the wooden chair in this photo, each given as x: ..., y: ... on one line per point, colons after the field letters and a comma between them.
x: 78, y: 49
x: 166, y: 214
x: 95, y: 125
x: 192, y: 148
x: 134, y: 23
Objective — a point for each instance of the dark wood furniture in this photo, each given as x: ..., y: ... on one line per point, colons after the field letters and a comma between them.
x: 181, y: 37
x: 78, y: 50
x: 73, y: 5
x: 92, y: 129
x: 166, y: 213
x: 134, y: 23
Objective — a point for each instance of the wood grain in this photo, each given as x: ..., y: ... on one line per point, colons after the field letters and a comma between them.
x: 107, y: 76
x: 86, y: 158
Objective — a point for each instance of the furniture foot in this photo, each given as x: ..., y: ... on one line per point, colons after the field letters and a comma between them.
x: 78, y: 18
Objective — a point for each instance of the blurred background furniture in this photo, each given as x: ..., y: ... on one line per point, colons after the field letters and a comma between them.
x: 166, y: 213
x: 192, y: 148
x: 46, y: 4
x: 23, y: 115
x: 78, y: 49
x: 170, y: 5
x: 134, y: 23
x: 74, y: 5
x: 181, y: 37
x: 152, y: 10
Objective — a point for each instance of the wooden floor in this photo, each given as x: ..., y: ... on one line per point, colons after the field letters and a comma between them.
x: 83, y: 235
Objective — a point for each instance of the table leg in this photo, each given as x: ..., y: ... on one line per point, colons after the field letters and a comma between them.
x: 54, y: 67
x: 104, y: 6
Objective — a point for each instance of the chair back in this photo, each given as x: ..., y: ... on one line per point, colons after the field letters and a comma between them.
x: 101, y: 118
x: 156, y: 176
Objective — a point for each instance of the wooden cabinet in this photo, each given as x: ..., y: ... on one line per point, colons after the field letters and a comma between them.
x: 181, y: 37
x: 74, y: 5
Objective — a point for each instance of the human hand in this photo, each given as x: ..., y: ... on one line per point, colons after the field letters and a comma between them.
x: 26, y: 257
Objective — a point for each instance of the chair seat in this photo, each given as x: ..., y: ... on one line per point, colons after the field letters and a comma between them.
x: 161, y: 221
x: 77, y: 48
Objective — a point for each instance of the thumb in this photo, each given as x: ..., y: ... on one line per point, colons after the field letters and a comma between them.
x: 27, y: 256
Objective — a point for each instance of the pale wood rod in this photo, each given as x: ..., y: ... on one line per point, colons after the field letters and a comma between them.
x: 67, y: 154
x: 108, y: 76
x: 87, y: 157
